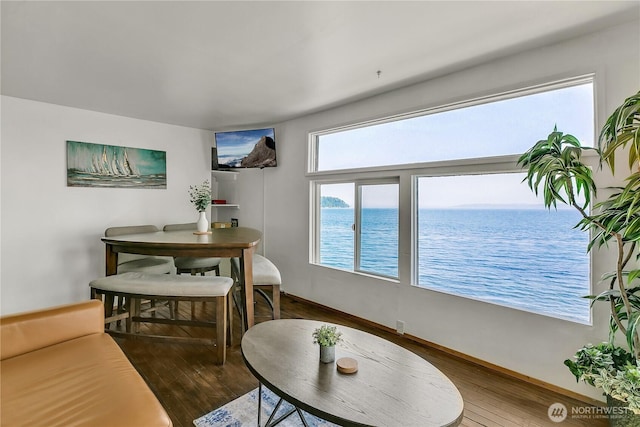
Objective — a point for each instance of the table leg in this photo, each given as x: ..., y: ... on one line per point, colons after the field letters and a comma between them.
x: 246, y: 287
x: 111, y: 268
x: 111, y: 261
x: 271, y: 422
x: 259, y: 403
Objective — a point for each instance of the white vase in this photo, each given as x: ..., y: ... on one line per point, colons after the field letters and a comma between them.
x: 327, y: 354
x: 203, y: 223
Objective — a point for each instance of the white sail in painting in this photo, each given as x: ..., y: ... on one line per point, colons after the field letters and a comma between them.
x: 129, y: 167
x: 116, y: 166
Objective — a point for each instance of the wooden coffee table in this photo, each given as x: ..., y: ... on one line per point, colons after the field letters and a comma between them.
x: 392, y: 387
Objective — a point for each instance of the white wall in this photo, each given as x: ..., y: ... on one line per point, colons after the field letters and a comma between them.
x: 531, y: 344
x: 51, y: 245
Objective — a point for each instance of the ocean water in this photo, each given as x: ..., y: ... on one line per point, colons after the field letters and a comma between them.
x: 529, y: 259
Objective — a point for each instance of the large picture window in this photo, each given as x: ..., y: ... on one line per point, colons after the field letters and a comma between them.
x: 476, y: 229
x: 487, y: 237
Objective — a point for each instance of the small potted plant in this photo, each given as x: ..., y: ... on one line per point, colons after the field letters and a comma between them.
x: 327, y: 336
x: 200, y: 197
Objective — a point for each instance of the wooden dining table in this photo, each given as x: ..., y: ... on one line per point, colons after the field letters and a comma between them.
x: 234, y: 242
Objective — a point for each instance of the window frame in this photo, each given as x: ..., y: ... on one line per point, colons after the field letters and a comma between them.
x: 316, y: 231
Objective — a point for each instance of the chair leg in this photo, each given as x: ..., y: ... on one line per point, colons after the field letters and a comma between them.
x: 276, y: 301
x: 193, y: 303
x: 136, y: 313
x: 108, y: 308
x: 120, y: 310
x: 236, y: 299
x: 127, y: 307
x: 273, y: 302
x: 221, y: 329
x: 173, y: 309
x: 230, y: 318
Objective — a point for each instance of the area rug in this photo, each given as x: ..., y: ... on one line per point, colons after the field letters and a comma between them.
x: 244, y: 412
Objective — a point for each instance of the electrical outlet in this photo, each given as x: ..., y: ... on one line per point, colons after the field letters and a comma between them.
x: 400, y: 327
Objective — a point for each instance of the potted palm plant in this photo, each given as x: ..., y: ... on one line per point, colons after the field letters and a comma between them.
x: 555, y: 167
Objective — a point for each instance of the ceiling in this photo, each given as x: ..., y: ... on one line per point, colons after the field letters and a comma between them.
x: 218, y: 65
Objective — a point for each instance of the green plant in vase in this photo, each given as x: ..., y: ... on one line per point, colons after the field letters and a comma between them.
x: 200, y: 197
x: 327, y: 337
x: 555, y: 166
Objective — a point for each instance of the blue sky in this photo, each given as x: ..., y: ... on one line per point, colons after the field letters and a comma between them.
x: 505, y: 127
x: 509, y: 126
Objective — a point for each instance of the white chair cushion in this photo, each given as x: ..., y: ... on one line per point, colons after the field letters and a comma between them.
x: 164, y: 284
x: 265, y: 272
x: 125, y: 257
x: 147, y: 265
x: 195, y: 262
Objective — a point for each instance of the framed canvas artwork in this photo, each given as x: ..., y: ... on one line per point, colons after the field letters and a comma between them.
x: 99, y: 165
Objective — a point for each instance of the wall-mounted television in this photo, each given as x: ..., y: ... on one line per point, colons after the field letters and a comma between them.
x: 254, y: 148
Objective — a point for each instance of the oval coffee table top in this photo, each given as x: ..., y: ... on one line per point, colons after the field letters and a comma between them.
x: 392, y: 387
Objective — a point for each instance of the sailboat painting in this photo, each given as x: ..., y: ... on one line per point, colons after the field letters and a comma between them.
x: 97, y: 165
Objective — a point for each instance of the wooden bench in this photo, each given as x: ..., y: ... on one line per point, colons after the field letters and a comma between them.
x: 135, y: 286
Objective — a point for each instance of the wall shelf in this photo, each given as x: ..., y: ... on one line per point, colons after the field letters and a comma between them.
x: 224, y: 187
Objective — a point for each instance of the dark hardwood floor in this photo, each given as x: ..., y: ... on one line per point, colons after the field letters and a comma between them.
x: 189, y: 384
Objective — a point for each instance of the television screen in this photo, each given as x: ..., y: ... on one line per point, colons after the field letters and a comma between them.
x: 254, y: 148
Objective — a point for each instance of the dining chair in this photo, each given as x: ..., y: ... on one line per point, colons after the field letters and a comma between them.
x: 192, y: 265
x: 266, y: 276
x: 135, y: 262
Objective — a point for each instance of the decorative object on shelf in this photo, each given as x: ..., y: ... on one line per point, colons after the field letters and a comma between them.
x: 327, y: 336
x: 200, y: 197
x: 220, y: 224
x: 555, y: 164
x: 347, y: 365
x: 98, y: 165
x: 219, y: 201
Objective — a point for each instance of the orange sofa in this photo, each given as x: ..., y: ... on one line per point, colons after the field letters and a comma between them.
x: 59, y: 368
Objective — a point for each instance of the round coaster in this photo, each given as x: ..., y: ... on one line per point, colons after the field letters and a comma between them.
x: 201, y: 233
x: 347, y: 365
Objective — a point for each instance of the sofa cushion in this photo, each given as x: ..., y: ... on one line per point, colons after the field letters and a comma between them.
x: 86, y: 381
x: 25, y: 332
